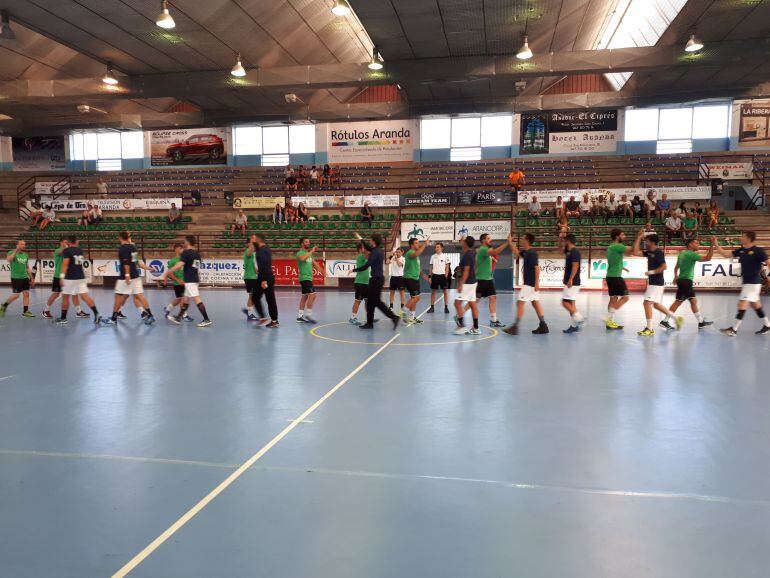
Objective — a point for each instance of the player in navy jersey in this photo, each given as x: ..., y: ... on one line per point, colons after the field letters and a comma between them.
x: 752, y: 259
x: 530, y: 288
x: 653, y: 296
x: 73, y: 280
x: 129, y: 282
x: 189, y: 262
x: 571, y: 283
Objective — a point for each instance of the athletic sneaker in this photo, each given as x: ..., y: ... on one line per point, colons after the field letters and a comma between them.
x: 368, y: 325
x: 188, y: 319
x: 82, y: 315
x: 446, y: 309
x: 97, y: 320
x: 245, y: 312
x: 430, y: 309
x: 205, y: 323
x: 108, y: 321
x: 704, y: 323
x: 764, y: 331
x: 300, y: 320
x: 273, y: 325
x: 461, y: 331
x: 666, y: 325
x: 542, y: 329
x: 729, y: 331
x: 611, y: 324
x: 170, y: 318
x: 496, y: 324
x: 679, y: 322
x: 416, y: 321
x: 60, y: 321
x: 28, y: 314
x: 309, y: 320
x: 3, y: 308
x: 121, y: 316
x: 457, y: 321
x: 474, y: 331
x: 646, y: 332
x: 512, y: 330
x: 396, y: 321
x: 354, y: 321
x: 251, y: 317
x: 149, y: 320
x: 47, y: 315
x: 572, y: 329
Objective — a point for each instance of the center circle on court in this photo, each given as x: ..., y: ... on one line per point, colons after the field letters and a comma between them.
x: 344, y: 332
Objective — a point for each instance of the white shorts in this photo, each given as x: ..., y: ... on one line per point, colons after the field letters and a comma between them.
x: 468, y: 293
x: 74, y: 286
x: 191, y: 290
x: 654, y: 293
x: 528, y: 293
x: 570, y: 293
x: 134, y: 287
x: 751, y: 293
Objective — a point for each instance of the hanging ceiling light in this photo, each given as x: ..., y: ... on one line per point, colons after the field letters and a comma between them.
x: 341, y: 8
x: 525, y: 52
x: 164, y: 18
x: 693, y: 44
x: 109, y: 76
x: 5, y: 28
x: 238, y: 69
x: 376, y: 63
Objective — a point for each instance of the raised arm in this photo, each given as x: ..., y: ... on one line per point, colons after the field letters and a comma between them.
x: 721, y: 250
x: 500, y: 248
x: 636, y: 250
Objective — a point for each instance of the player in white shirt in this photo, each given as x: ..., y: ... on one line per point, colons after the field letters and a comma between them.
x: 396, y: 263
x: 439, y: 276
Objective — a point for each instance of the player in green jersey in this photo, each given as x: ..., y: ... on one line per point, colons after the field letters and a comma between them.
x: 177, y: 280
x: 22, y: 278
x: 684, y: 277
x: 250, y: 277
x: 360, y: 284
x: 616, y: 285
x: 305, y: 268
x: 412, y: 277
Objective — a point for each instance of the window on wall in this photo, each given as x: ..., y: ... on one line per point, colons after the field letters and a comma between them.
x: 464, y: 136
x: 641, y: 124
x: 711, y: 121
x: 436, y: 133
x: 275, y: 143
x: 248, y: 140
x: 496, y: 131
x: 302, y: 139
x: 107, y: 148
x: 675, y: 128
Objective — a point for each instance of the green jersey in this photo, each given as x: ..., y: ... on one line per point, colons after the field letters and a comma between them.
x: 483, y: 264
x: 686, y: 263
x: 249, y: 266
x: 412, y: 265
x: 305, y: 267
x: 362, y: 277
x: 177, y: 276
x: 57, y: 261
x: 689, y: 223
x: 615, y: 254
x: 19, y: 265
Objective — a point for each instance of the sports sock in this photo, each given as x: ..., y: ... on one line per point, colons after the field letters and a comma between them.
x: 309, y: 313
x: 114, y: 315
x: 202, y: 309
x: 95, y: 310
x: 578, y: 317
x: 475, y: 322
x: 611, y: 314
x: 149, y: 312
x: 763, y: 317
x: 140, y: 309
x: 64, y: 314
x: 26, y: 308
x: 699, y: 317
x: 493, y: 317
x: 47, y: 308
x: 78, y: 309
x: 541, y: 318
x: 301, y: 313
x: 649, y: 324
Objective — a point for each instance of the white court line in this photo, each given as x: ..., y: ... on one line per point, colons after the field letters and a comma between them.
x: 192, y: 512
x: 6, y: 377
x: 77, y: 456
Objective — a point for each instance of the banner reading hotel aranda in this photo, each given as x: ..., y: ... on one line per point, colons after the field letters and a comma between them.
x: 40, y: 153
x: 578, y: 131
x: 383, y: 141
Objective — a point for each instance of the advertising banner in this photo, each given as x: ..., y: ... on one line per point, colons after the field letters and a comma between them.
x: 674, y: 193
x: 754, y: 129
x: 46, y: 188
x: 428, y: 199
x: 373, y: 200
x: 106, y: 268
x: 581, y: 131
x: 40, y: 153
x: 497, y: 229
x: 45, y: 268
x: 485, y: 198
x: 436, y: 230
x: 727, y: 171
x: 552, y: 273
x: 342, y: 268
x: 381, y: 141
x: 320, y: 201
x: 113, y: 204
x: 256, y: 202
x: 189, y: 146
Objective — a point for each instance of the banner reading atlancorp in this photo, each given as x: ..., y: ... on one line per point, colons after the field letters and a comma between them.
x: 496, y: 229
x: 381, y: 141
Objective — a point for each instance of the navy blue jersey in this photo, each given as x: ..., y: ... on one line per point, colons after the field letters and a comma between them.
x: 572, y: 256
x: 751, y: 260
x: 655, y: 259
x: 75, y: 266
x: 264, y: 264
x: 127, y: 256
x: 468, y: 260
x: 530, y: 261
x: 192, y: 262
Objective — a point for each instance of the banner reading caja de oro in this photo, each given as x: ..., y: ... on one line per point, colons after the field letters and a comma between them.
x: 189, y: 146
x: 436, y: 230
x: 674, y: 193
x: 497, y: 229
x: 257, y: 202
x: 371, y: 142
x: 113, y: 204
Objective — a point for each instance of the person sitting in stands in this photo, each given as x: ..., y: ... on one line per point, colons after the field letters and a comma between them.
x: 600, y: 207
x: 586, y: 207
x: 637, y: 207
x: 326, y: 174
x: 624, y: 207
x: 174, y: 214
x: 95, y: 215
x: 101, y: 187
x: 650, y: 202
x: 278, y: 216
x: 366, y: 214
x: 290, y: 213
x: 302, y: 177
x: 558, y: 209
x: 239, y: 222
x: 85, y: 217
x: 334, y: 175
x: 562, y: 227
x: 674, y: 227
x: 612, y: 205
x: 572, y: 208
x: 313, y: 177
x: 35, y: 213
x: 690, y: 224
x: 698, y: 210
x: 302, y: 214
x: 712, y: 214
x: 646, y: 232
x: 290, y: 178
x: 49, y: 216
x: 534, y: 208
x: 664, y: 206
x: 516, y: 179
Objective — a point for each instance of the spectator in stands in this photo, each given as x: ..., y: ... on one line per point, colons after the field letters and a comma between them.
x: 302, y: 177
x: 49, y: 216
x: 558, y: 208
x: 313, y: 177
x: 95, y: 215
x: 516, y: 179
x: 612, y: 205
x: 278, y: 215
x: 302, y: 214
x: 624, y: 207
x: 334, y: 175
x: 290, y: 214
x: 586, y: 208
x: 648, y: 231
x: 600, y: 207
x: 239, y: 223
x: 174, y: 215
x: 690, y: 224
x: 35, y: 213
x: 85, y: 217
x: 290, y: 178
x: 650, y: 203
x: 366, y: 214
x: 101, y: 187
x: 664, y: 206
x: 638, y: 207
x: 572, y: 208
x: 534, y: 208
x: 698, y: 213
x: 562, y: 227
x: 326, y: 174
x: 674, y: 227
x: 712, y: 214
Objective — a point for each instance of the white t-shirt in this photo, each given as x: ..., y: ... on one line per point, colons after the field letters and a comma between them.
x: 534, y: 206
x: 397, y: 267
x: 313, y: 174
x: 585, y: 205
x: 560, y: 204
x: 612, y: 204
x: 674, y: 223
x: 101, y: 188
x: 438, y: 263
x: 240, y: 219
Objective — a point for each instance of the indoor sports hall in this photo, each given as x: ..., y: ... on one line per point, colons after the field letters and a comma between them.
x: 369, y: 288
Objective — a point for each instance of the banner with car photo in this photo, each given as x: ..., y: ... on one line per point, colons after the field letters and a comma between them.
x: 189, y: 146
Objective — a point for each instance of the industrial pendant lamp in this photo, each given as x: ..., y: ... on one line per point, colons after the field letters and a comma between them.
x: 341, y: 8
x: 238, y: 69
x: 164, y: 18
x: 109, y: 76
x: 524, y: 53
x: 693, y: 44
x: 376, y: 63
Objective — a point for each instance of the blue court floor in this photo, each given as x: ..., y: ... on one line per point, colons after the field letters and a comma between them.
x: 233, y: 451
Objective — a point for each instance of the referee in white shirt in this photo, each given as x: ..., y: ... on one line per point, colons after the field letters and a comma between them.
x: 439, y: 276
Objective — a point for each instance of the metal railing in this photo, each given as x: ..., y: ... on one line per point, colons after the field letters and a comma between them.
x: 28, y: 191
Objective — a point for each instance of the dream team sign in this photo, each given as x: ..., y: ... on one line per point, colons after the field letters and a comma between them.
x: 371, y: 142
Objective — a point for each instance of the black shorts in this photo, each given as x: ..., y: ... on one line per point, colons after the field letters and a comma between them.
x: 56, y: 285
x: 412, y: 287
x: 438, y: 282
x: 19, y: 285
x: 396, y: 283
x: 684, y: 290
x: 485, y: 288
x: 307, y: 287
x: 362, y: 290
x: 251, y: 285
x: 616, y: 286
x: 179, y: 291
